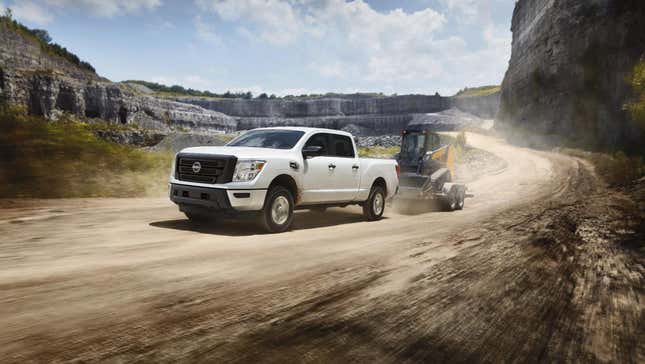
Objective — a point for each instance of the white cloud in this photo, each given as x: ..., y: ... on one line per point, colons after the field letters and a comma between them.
x: 277, y: 20
x: 366, y: 49
x: 206, y: 32
x: 31, y: 12
x: 464, y: 11
x: 107, y: 8
x: 329, y: 69
x: 388, y: 44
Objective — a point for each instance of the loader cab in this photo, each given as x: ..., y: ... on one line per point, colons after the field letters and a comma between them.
x: 414, y: 146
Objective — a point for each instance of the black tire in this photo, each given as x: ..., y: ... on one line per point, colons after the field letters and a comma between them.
x: 274, y: 218
x: 451, y: 201
x: 374, y: 207
x: 198, y: 218
x: 461, y: 199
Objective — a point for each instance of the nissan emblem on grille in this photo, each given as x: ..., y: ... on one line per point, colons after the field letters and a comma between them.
x: 197, y: 167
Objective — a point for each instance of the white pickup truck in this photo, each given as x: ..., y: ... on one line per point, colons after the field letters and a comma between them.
x: 269, y: 172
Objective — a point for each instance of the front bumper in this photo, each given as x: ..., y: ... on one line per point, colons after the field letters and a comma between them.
x: 217, y: 199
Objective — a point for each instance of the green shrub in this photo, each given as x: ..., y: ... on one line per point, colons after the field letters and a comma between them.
x: 47, y: 159
x: 479, y: 91
x: 617, y: 169
x: 637, y: 81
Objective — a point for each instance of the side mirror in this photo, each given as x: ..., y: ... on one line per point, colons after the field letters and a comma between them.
x: 311, y: 151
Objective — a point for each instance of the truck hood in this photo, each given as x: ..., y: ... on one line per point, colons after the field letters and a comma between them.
x: 239, y: 152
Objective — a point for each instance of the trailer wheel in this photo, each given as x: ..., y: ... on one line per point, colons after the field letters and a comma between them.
x: 461, y: 198
x: 451, y: 201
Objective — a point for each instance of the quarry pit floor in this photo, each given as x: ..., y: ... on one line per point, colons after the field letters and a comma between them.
x: 537, y: 267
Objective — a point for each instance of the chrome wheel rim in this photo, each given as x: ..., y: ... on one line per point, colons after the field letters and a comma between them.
x: 378, y: 204
x: 280, y: 210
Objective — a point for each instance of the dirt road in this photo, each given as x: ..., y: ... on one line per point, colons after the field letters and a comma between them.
x: 516, y: 276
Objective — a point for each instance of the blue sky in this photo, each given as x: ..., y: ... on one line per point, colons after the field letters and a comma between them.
x: 285, y: 46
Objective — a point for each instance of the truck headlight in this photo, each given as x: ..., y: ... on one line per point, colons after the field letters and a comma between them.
x: 247, y: 170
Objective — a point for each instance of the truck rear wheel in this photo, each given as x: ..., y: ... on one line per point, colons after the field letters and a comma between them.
x: 277, y: 214
x: 374, y: 207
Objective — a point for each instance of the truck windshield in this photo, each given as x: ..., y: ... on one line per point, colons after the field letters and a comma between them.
x: 273, y: 139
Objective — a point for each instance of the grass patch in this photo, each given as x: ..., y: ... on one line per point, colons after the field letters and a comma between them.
x: 378, y: 152
x: 478, y: 91
x: 617, y: 169
x: 636, y: 80
x: 65, y: 159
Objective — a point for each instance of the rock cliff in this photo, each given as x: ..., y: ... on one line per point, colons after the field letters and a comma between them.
x: 49, y: 85
x: 566, y: 79
x: 378, y: 115
x: 485, y: 107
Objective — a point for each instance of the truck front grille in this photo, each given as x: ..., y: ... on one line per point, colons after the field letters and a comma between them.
x: 205, y: 168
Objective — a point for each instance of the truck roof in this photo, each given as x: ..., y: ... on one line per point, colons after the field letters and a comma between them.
x: 306, y: 129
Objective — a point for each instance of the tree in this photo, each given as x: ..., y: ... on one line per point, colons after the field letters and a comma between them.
x: 263, y: 96
x: 273, y: 96
x: 8, y: 13
x: 43, y: 35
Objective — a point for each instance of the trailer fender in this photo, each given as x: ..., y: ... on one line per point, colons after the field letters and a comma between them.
x: 460, y: 188
x: 438, y: 174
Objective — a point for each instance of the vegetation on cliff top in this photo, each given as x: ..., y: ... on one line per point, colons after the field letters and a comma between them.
x: 42, y: 37
x: 179, y: 91
x: 66, y: 159
x: 637, y: 81
x: 478, y: 91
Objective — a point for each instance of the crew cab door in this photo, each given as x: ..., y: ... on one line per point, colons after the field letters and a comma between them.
x: 318, y: 171
x: 346, y: 173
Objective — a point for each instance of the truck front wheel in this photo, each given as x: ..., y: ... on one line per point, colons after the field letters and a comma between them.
x: 374, y: 207
x: 198, y: 218
x: 277, y: 214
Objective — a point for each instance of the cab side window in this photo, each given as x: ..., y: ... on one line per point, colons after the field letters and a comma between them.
x: 342, y: 146
x: 322, y: 140
x: 434, y: 142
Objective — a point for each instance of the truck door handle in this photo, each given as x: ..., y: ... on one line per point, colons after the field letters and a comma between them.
x: 354, y: 167
x: 332, y: 166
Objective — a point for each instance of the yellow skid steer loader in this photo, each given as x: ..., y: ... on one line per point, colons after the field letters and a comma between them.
x: 427, y: 169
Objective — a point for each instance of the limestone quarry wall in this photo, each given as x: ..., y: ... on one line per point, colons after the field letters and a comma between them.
x: 567, y: 74
x: 385, y: 105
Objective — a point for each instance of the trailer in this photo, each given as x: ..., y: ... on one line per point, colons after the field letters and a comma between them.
x: 427, y: 168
